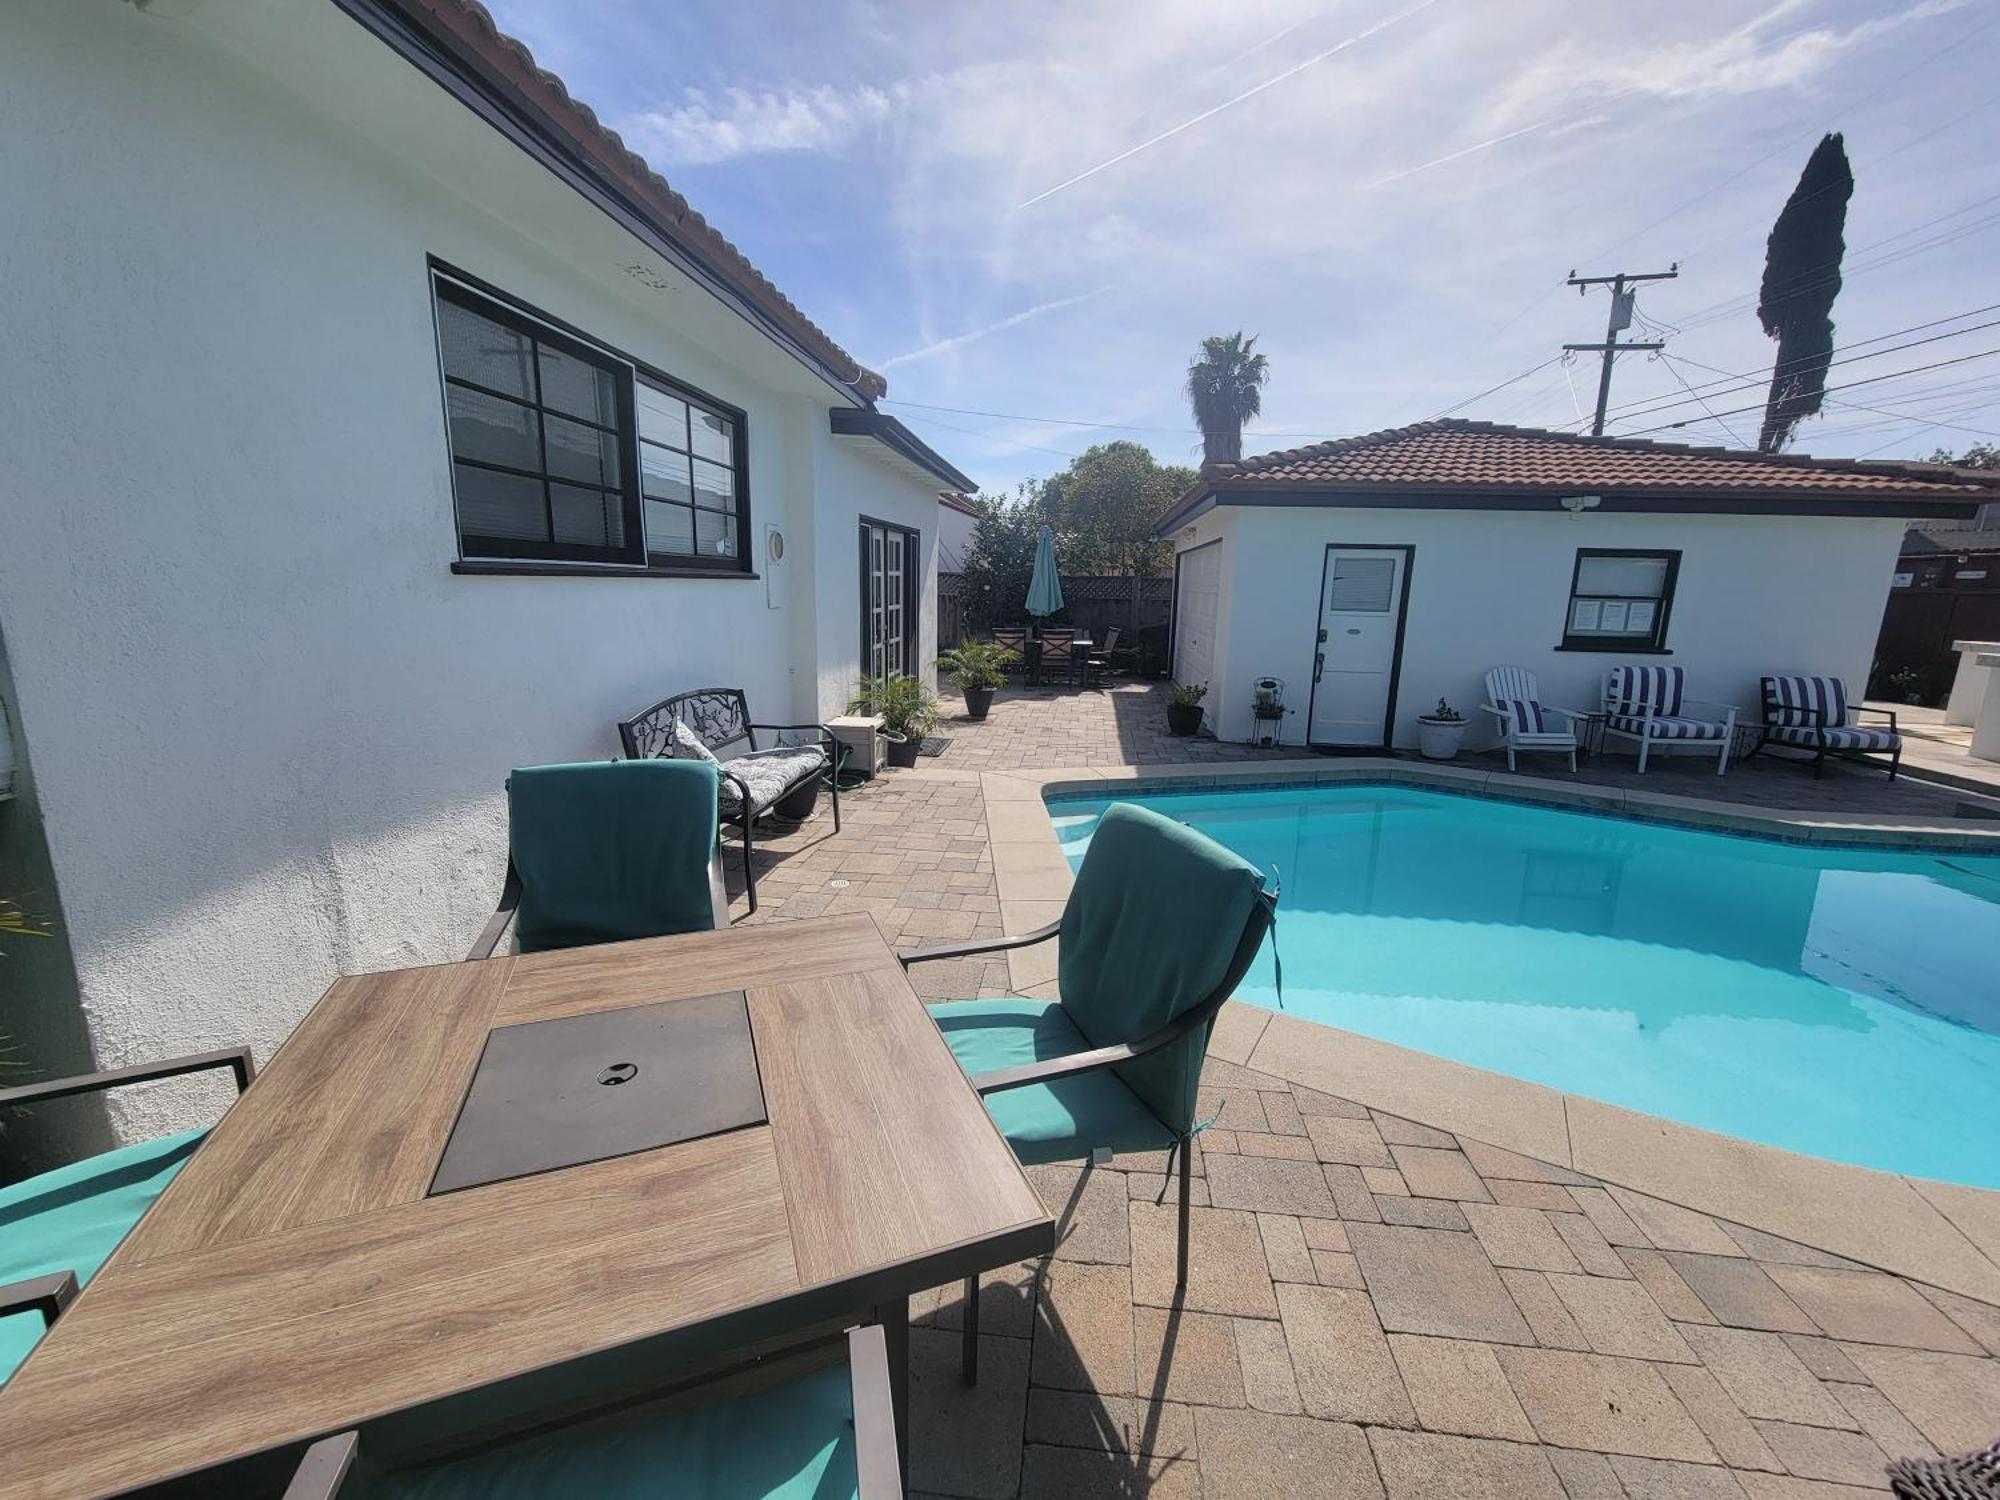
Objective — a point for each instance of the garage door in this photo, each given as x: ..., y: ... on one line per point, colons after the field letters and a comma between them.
x: 1197, y: 596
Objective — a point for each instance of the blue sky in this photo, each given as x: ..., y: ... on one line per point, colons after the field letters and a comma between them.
x: 1040, y: 210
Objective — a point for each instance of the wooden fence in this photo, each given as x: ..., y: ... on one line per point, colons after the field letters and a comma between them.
x: 1092, y: 604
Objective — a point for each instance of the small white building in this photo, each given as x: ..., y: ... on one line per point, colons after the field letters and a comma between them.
x: 375, y: 423
x: 1375, y: 575
x: 958, y: 523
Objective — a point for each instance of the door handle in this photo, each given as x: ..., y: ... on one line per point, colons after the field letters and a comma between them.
x: 1319, y: 661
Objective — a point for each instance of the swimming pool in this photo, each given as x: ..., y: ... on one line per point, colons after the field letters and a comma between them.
x: 1839, y: 1002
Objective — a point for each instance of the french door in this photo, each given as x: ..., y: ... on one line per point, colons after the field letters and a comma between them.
x: 889, y: 568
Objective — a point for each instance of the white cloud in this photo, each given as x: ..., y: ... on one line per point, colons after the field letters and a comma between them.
x: 705, y: 128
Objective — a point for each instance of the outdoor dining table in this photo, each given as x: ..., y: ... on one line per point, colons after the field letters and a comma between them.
x: 305, y: 1273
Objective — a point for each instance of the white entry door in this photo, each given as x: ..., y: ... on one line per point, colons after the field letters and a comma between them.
x: 1197, y: 597
x: 1360, y: 624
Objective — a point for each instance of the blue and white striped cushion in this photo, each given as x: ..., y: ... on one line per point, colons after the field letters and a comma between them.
x: 1804, y: 700
x: 1632, y: 688
x: 1849, y: 737
x: 1524, y: 716
x: 1668, y: 726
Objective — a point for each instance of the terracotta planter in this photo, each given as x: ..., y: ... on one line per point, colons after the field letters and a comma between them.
x: 1183, y: 719
x: 903, y: 749
x: 977, y: 701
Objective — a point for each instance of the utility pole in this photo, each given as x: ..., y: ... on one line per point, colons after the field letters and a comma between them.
x: 1623, y: 293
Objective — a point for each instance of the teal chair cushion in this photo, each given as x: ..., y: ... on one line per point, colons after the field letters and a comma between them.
x: 612, y: 850
x: 790, y: 1442
x: 1058, y: 1121
x: 71, y: 1219
x: 1151, y: 929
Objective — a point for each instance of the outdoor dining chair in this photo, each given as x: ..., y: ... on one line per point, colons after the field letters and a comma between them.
x: 1102, y: 657
x: 1159, y: 929
x: 57, y: 1228
x: 827, y: 1433
x: 606, y: 851
x: 1059, y: 654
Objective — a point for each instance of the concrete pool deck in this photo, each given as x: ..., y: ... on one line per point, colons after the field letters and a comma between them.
x: 1380, y: 1305
x: 1941, y: 1233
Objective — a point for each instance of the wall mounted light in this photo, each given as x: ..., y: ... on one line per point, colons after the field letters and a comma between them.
x: 1576, y: 505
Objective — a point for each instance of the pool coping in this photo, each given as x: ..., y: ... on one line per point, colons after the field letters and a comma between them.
x: 1944, y: 1234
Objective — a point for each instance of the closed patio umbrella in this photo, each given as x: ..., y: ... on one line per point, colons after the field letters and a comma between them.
x: 1045, y: 584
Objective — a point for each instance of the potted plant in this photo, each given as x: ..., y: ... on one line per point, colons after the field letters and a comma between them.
x: 908, y: 709
x: 979, y: 668
x: 1440, y: 732
x: 1184, y: 707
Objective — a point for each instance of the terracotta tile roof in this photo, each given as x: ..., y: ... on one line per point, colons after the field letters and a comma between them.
x: 470, y: 31
x: 1456, y: 454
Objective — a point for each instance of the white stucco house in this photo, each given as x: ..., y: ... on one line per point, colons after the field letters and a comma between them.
x: 958, y: 522
x: 376, y: 423
x: 1374, y: 575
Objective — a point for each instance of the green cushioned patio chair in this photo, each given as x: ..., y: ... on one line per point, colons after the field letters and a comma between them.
x: 57, y: 1228
x: 825, y: 1435
x: 606, y: 851
x: 1160, y: 927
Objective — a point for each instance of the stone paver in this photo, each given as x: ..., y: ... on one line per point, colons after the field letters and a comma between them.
x: 1436, y: 1281
x: 1426, y: 1466
x: 1376, y: 1306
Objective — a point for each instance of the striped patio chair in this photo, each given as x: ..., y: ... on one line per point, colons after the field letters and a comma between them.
x: 1812, y: 713
x: 1650, y: 706
x: 1526, y: 723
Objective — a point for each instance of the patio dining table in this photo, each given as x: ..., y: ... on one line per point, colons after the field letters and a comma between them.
x: 312, y: 1270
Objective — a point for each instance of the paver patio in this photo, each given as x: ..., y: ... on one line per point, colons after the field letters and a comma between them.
x: 1377, y: 1307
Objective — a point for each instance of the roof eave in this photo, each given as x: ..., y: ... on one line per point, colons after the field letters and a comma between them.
x: 854, y: 421
x: 414, y: 33
x: 1849, y: 501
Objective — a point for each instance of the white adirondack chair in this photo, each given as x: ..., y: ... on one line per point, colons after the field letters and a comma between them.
x: 1526, y: 723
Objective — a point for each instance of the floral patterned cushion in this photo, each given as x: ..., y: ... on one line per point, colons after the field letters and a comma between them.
x: 688, y: 746
x: 769, y: 774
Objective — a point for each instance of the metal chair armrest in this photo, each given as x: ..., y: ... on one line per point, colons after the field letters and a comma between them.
x: 982, y: 945
x: 1098, y: 1057
x: 47, y: 1295
x: 325, y: 1467
x: 1730, y: 709
x: 878, y: 1462
x: 1887, y: 713
x: 236, y: 1059
x: 496, y: 925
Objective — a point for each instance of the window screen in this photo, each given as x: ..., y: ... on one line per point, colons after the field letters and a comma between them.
x: 1619, y: 600
x: 540, y: 432
x: 1362, y: 585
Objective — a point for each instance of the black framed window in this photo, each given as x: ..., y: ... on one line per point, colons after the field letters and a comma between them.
x: 691, y: 471
x: 565, y: 451
x: 1619, y: 599
x: 541, y: 437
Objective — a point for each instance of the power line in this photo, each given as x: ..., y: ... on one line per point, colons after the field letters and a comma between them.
x: 1673, y: 366
x: 1860, y: 406
x: 1649, y: 405
x: 1852, y: 384
x: 1459, y: 405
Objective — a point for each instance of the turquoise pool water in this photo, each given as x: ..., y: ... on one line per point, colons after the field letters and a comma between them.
x: 1840, y: 1002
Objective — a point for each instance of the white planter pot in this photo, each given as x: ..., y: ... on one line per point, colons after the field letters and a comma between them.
x: 1438, y: 739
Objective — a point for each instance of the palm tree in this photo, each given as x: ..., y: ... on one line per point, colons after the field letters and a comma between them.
x: 1225, y: 386
x: 1801, y: 279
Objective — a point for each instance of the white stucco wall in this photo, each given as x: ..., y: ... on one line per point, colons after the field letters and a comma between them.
x: 1489, y: 588
x: 270, y: 727
x: 955, y: 532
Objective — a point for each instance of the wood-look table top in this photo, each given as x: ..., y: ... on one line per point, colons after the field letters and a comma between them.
x: 295, y: 1279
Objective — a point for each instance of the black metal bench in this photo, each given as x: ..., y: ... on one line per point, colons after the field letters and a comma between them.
x: 777, y: 779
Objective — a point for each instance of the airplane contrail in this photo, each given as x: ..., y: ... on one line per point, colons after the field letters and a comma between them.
x: 957, y: 340
x: 1249, y: 93
x: 1439, y: 161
